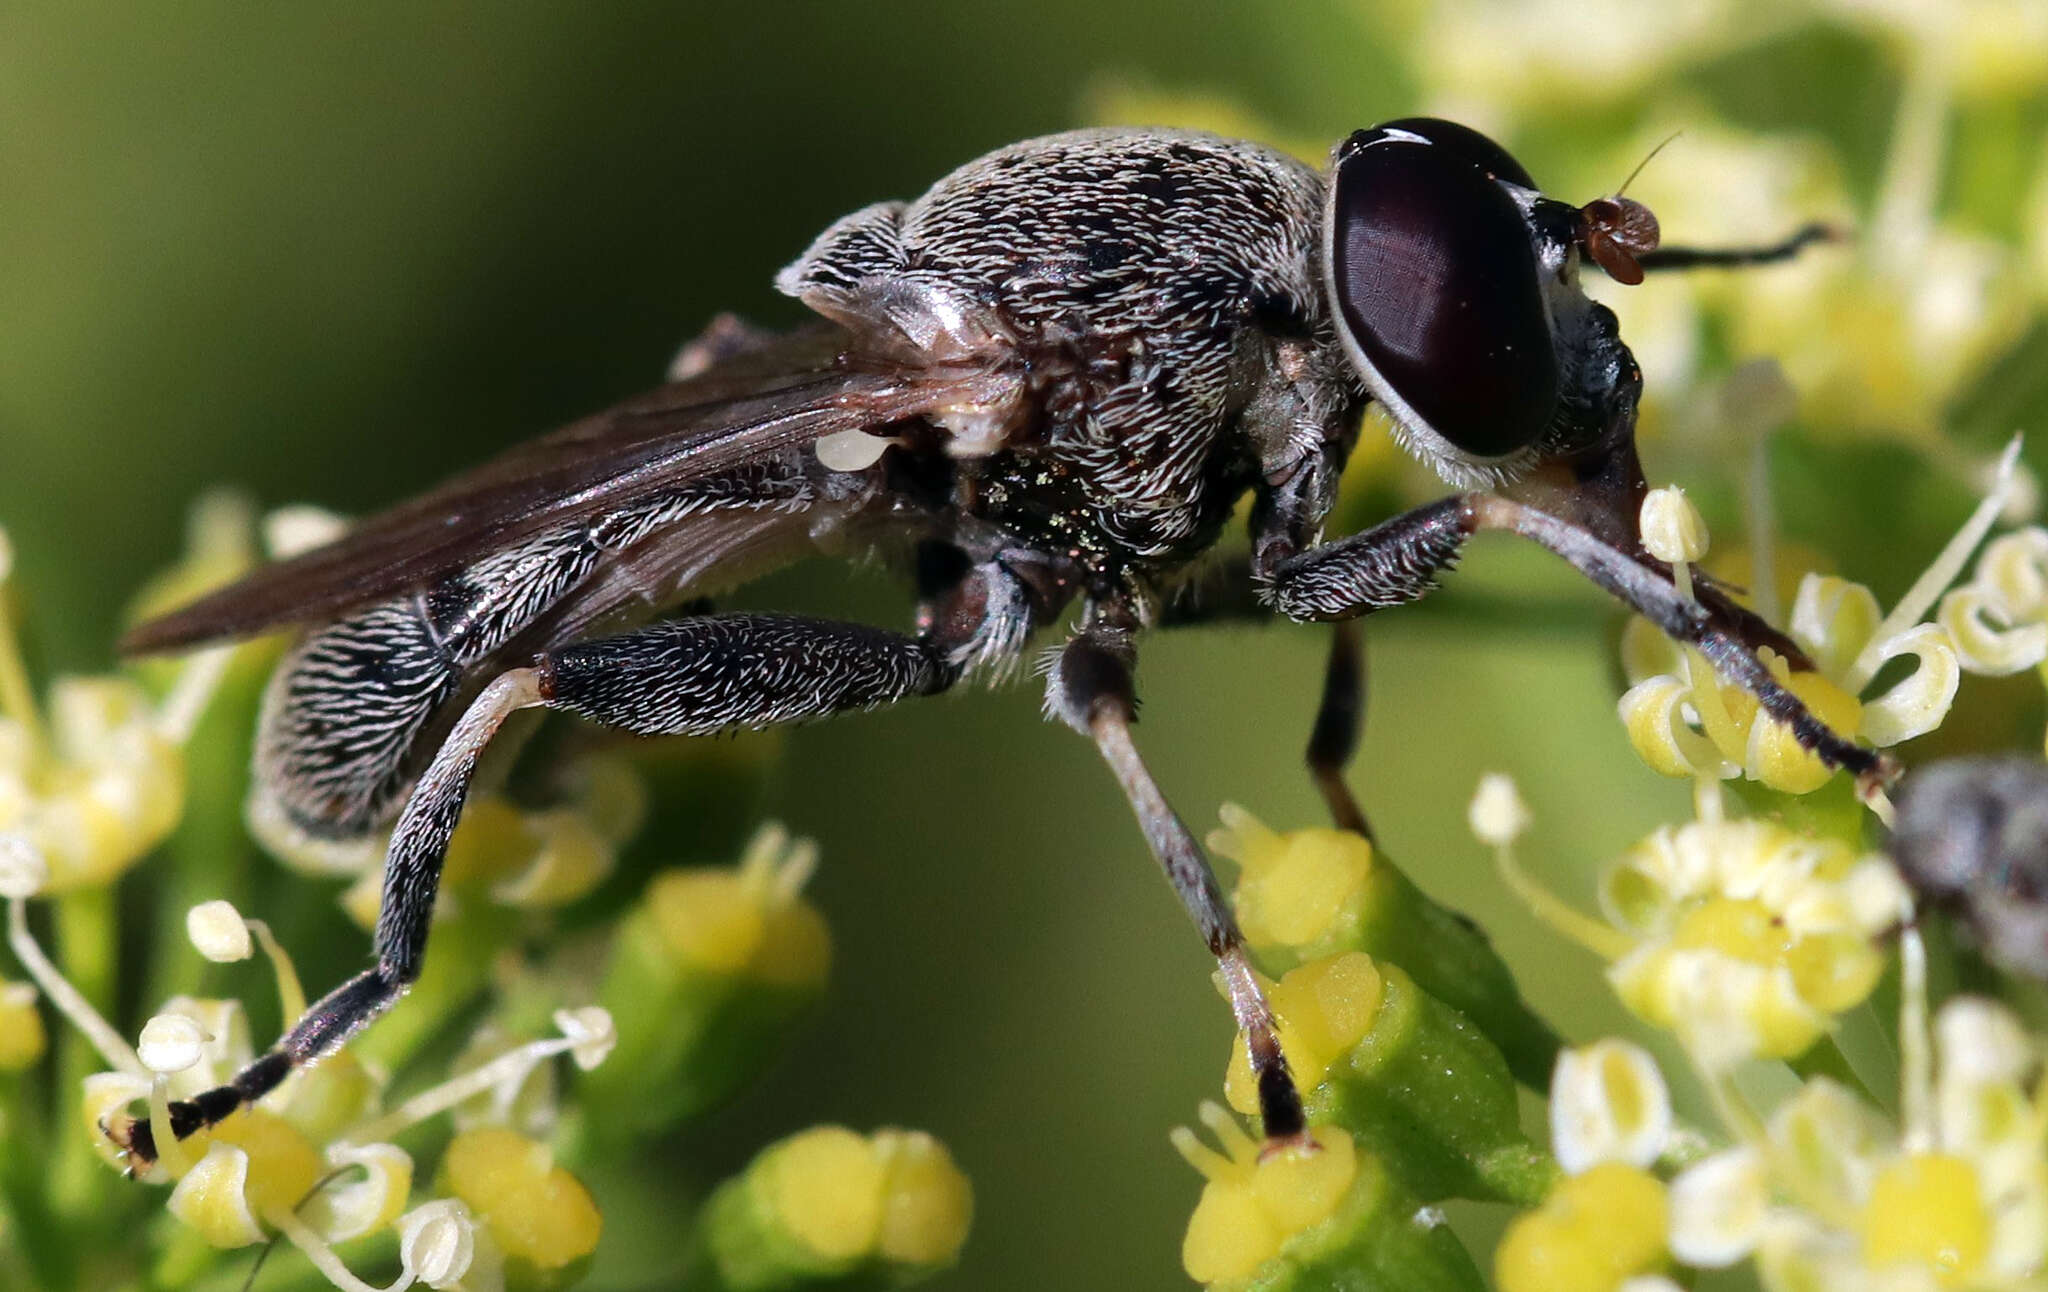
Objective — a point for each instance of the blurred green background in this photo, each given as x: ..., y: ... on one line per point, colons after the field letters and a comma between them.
x: 333, y: 254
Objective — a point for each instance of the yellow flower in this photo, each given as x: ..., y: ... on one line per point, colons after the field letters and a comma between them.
x: 829, y: 1203
x: 538, y: 1214
x: 1748, y: 937
x: 1254, y: 1203
x: 1685, y: 721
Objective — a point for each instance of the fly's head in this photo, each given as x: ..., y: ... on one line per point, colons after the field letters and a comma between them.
x: 1454, y: 286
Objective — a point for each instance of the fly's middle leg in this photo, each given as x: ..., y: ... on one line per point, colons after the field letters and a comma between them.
x: 1091, y: 690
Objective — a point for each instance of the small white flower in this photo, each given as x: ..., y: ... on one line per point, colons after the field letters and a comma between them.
x: 171, y: 1043
x: 437, y: 1242
x: 1498, y: 815
x: 219, y: 932
x: 352, y: 1207
x: 213, y: 1198
x: 1608, y: 1104
x: 1718, y: 1207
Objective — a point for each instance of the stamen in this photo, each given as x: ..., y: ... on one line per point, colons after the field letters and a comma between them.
x: 757, y: 864
x: 1236, y: 1141
x: 173, y: 1156
x: 509, y: 1068
x: 324, y: 1257
x: 291, y: 994
x: 1212, y: 1165
x: 1242, y: 833
x: 218, y: 932
x: 1563, y: 919
x: 198, y: 681
x: 57, y: 989
x: 797, y: 868
x: 1927, y: 589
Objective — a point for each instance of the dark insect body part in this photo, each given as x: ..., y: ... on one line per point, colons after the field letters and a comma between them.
x: 1043, y: 386
x: 1972, y: 838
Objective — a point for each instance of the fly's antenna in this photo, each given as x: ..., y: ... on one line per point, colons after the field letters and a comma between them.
x: 1647, y: 159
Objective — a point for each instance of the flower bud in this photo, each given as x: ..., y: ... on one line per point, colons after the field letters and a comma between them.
x: 437, y: 1243
x: 829, y: 1204
x: 539, y: 1215
x: 708, y: 976
x: 1309, y: 894
x: 1411, y: 1077
x: 1315, y: 1214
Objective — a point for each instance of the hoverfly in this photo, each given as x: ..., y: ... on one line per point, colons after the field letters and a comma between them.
x: 1044, y: 385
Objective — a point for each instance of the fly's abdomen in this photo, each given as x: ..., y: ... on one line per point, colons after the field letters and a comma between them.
x: 347, y: 722
x: 345, y: 710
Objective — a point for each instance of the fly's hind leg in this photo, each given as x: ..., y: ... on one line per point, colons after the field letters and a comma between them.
x: 684, y: 677
x: 1091, y: 690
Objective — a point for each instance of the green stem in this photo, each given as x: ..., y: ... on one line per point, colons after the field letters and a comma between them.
x: 17, y: 697
x: 39, y: 1237
x: 86, y: 948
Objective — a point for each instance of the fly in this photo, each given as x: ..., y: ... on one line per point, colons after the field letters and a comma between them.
x: 1041, y: 387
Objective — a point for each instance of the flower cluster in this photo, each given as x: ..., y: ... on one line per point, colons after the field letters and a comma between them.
x: 1823, y: 1193
x: 1686, y: 721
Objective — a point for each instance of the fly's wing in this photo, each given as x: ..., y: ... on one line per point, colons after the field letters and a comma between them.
x: 780, y: 395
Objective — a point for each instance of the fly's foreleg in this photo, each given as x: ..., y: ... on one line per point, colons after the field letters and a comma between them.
x: 686, y: 677
x: 1091, y: 690
x: 1398, y: 561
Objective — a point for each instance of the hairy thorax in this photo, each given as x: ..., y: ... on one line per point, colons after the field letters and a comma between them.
x: 1139, y: 285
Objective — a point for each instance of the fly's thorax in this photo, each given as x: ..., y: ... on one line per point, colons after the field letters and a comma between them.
x: 1131, y: 282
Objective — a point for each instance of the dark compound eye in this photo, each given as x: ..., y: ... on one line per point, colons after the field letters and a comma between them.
x: 1462, y: 140
x: 1436, y: 281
